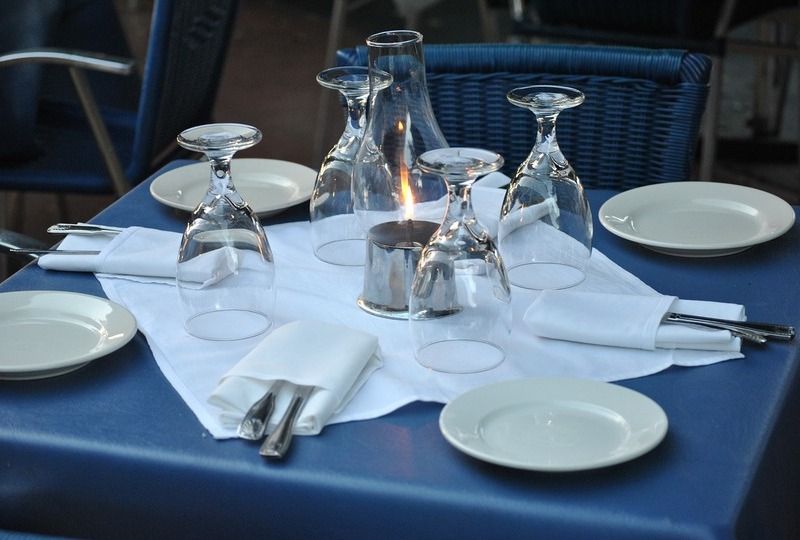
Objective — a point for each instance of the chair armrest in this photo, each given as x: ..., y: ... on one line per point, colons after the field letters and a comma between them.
x: 71, y: 58
x: 77, y: 62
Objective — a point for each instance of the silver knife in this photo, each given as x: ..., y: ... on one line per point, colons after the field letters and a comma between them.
x: 277, y: 444
x: 55, y: 251
x: 765, y: 330
x: 83, y: 228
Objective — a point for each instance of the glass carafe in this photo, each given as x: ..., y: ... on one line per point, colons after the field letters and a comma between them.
x: 387, y: 184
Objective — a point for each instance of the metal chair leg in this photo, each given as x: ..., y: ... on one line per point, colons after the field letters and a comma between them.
x: 709, y: 129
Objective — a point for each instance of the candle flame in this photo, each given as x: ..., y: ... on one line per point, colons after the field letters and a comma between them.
x: 405, y: 187
x: 405, y: 192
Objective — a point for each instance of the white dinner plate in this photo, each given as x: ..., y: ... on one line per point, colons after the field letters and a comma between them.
x: 697, y: 219
x: 553, y: 425
x: 48, y: 333
x: 268, y: 185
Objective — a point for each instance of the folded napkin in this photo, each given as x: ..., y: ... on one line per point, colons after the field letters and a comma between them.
x: 139, y: 253
x: 629, y: 320
x: 336, y: 360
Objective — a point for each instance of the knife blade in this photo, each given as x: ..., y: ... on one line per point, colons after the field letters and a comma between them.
x: 28, y: 251
x: 83, y: 228
x: 277, y: 443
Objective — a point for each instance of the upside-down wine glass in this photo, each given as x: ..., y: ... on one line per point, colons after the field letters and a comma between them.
x: 337, y: 237
x: 545, y: 230
x: 460, y: 304
x: 226, y: 274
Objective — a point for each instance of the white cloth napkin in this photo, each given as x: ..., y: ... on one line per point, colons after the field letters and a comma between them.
x: 135, y: 251
x: 629, y: 320
x: 141, y: 254
x: 310, y: 289
x: 336, y: 360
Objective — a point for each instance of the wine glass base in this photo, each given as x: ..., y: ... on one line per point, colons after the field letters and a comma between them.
x: 382, y: 311
x: 460, y: 356
x: 545, y: 276
x: 228, y: 324
x: 345, y: 252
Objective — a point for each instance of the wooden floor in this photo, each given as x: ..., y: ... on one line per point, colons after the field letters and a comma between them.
x: 279, y: 46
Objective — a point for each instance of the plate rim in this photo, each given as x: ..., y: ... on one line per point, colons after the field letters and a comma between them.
x: 307, y: 181
x: 660, y: 420
x: 723, y: 247
x: 128, y: 329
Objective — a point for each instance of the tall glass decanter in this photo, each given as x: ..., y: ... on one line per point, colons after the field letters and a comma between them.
x: 400, y: 127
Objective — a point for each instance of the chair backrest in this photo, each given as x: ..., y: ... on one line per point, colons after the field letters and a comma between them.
x: 637, y: 126
x: 185, y: 54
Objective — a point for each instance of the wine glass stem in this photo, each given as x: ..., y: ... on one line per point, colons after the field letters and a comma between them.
x: 221, y: 181
x: 546, y: 134
x: 356, y: 115
x: 459, y: 203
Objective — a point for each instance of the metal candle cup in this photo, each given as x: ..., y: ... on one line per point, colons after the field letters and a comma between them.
x: 393, y: 250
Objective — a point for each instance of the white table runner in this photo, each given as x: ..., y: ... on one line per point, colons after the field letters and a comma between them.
x: 311, y: 289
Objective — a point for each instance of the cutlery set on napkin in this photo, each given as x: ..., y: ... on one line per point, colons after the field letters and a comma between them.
x: 646, y: 321
x: 309, y: 370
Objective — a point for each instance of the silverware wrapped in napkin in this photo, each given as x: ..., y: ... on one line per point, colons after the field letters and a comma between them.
x: 334, y: 359
x: 136, y: 253
x: 634, y: 321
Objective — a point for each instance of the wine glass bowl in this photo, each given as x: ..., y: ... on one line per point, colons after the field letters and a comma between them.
x: 225, y: 272
x: 336, y: 235
x: 545, y: 229
x: 460, y: 303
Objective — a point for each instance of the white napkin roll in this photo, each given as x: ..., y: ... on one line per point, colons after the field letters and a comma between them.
x: 335, y: 359
x: 627, y: 320
x: 139, y: 252
x: 134, y: 251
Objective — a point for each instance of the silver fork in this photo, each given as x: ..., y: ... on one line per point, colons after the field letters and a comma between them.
x: 256, y: 419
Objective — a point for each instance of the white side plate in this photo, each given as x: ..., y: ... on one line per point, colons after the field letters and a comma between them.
x: 696, y: 219
x: 48, y: 333
x: 553, y: 425
x: 268, y: 185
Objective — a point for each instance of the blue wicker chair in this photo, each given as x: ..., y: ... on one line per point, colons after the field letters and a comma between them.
x: 92, y: 149
x: 638, y: 125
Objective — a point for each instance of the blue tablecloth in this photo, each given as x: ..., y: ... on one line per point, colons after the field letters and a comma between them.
x: 110, y: 450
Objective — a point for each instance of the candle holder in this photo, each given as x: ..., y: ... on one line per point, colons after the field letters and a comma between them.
x: 393, y: 250
x: 398, y: 205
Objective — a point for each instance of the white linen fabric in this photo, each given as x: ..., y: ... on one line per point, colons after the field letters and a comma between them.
x: 309, y: 289
x: 336, y: 360
x: 629, y: 320
x: 136, y: 251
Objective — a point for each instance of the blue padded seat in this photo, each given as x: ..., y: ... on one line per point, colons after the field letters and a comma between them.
x: 638, y: 125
